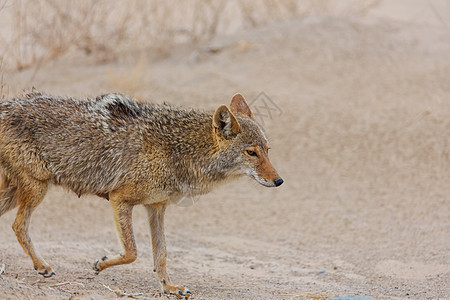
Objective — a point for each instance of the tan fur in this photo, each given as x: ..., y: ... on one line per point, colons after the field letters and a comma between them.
x: 127, y: 152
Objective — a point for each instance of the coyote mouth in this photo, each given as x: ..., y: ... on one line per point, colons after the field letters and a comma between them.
x: 267, y: 183
x: 263, y: 181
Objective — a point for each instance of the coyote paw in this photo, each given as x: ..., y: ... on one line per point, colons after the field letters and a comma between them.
x: 98, y: 264
x: 45, y: 271
x: 176, y: 290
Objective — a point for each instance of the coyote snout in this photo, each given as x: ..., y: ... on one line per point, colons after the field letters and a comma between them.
x: 128, y: 153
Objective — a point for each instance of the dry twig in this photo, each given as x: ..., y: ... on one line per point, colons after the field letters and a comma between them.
x: 121, y: 293
x: 64, y: 283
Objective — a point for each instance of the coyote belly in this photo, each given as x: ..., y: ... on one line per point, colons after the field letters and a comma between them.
x: 127, y: 152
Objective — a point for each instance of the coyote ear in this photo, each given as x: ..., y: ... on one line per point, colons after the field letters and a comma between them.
x: 239, y: 106
x: 225, y: 121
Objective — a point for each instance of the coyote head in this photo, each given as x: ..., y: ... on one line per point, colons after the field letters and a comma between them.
x: 243, y: 144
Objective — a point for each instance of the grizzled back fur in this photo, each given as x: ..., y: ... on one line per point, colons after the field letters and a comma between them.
x: 66, y: 141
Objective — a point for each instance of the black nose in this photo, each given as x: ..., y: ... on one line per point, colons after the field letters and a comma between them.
x: 278, y: 181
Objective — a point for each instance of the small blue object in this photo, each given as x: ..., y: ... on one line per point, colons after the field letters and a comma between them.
x: 352, y: 297
x: 321, y: 271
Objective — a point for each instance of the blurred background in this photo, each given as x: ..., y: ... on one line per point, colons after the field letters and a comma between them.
x: 354, y: 96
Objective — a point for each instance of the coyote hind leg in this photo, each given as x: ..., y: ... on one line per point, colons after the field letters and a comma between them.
x: 7, y: 199
x: 29, y: 196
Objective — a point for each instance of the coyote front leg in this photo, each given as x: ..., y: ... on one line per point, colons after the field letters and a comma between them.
x: 123, y: 219
x: 156, y: 220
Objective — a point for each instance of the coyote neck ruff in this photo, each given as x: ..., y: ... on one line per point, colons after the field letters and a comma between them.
x: 127, y: 152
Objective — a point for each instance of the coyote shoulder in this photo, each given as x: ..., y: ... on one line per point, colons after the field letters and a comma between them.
x: 127, y: 152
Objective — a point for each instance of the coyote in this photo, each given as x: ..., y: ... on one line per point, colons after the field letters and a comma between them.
x: 128, y: 153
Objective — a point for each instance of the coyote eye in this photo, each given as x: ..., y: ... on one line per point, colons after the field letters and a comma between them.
x: 251, y: 153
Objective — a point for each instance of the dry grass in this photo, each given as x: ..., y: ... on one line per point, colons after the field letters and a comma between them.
x: 256, y: 13
x: 3, y: 87
x: 68, y: 25
x: 105, y: 30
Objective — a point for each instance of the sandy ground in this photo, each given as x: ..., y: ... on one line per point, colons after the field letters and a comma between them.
x: 360, y: 132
